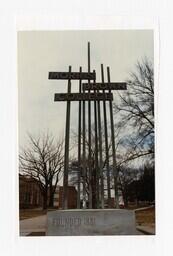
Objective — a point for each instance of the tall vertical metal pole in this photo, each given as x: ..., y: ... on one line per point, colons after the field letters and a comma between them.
x: 66, y: 155
x: 79, y: 144
x: 106, y: 143
x: 100, y: 156
x: 115, y: 173
x: 97, y: 170
x: 89, y: 136
x: 100, y: 153
x: 84, y: 154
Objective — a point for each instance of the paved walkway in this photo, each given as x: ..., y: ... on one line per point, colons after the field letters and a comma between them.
x: 36, y: 224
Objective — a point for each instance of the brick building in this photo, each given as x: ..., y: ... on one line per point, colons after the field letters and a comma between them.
x: 29, y: 192
x: 71, y: 194
x: 31, y: 197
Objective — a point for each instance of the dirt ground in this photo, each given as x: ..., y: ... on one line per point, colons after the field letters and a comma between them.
x: 30, y: 213
x: 146, y: 217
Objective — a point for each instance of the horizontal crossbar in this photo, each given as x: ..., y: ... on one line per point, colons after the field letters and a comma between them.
x: 82, y: 96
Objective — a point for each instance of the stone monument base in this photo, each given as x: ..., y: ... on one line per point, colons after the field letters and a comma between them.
x: 91, y: 222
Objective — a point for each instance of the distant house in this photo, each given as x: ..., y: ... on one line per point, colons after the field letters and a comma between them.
x: 29, y: 192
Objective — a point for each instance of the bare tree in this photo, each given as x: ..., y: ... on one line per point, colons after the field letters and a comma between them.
x: 136, y: 113
x: 43, y: 161
x: 126, y: 176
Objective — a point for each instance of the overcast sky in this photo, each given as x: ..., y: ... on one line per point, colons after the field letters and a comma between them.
x: 42, y: 51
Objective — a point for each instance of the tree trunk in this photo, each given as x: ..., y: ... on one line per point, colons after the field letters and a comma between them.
x: 125, y: 199
x: 45, y: 200
x: 126, y: 202
x: 51, y: 199
x: 94, y: 189
x: 137, y: 203
x: 51, y: 194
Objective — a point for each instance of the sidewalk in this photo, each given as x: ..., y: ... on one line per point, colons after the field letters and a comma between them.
x: 32, y: 225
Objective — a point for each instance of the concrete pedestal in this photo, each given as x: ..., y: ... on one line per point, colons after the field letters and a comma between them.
x: 91, y: 222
